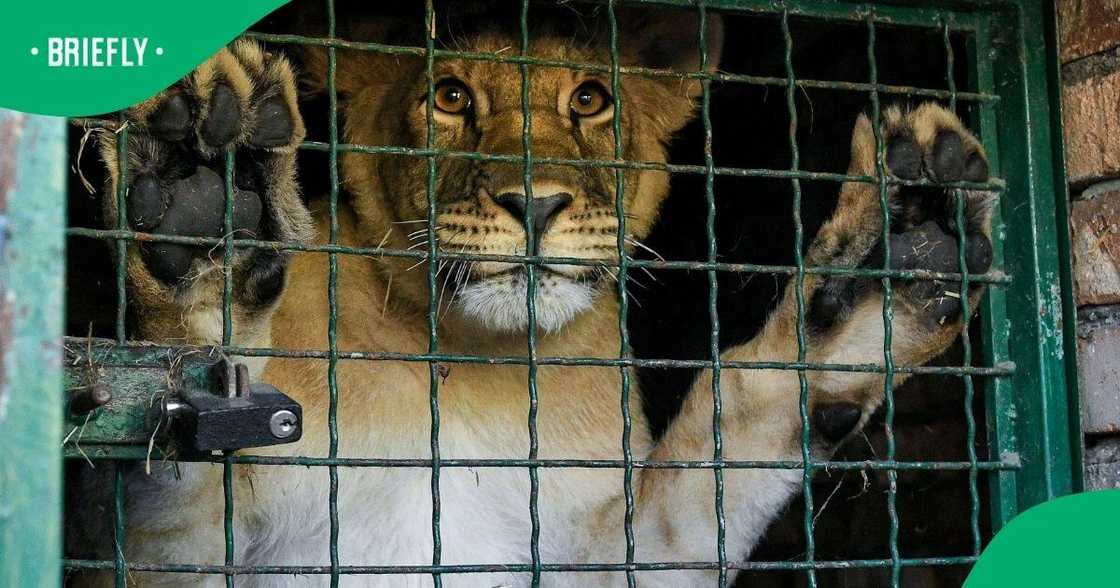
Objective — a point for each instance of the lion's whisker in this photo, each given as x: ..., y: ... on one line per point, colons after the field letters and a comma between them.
x: 638, y: 243
x: 460, y: 282
x: 443, y: 288
x: 634, y: 298
x: 633, y: 280
x: 456, y: 269
x: 423, y: 232
x: 650, y: 274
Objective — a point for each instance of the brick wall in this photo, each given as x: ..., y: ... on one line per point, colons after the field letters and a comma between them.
x: 1089, y: 32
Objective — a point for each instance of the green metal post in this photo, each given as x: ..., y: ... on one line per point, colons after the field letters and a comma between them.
x: 1035, y: 416
x: 32, y: 222
x: 1061, y: 219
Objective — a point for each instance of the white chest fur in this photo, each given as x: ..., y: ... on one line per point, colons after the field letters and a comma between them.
x: 385, y: 514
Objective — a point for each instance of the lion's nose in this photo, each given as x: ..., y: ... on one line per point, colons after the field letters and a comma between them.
x: 545, y: 210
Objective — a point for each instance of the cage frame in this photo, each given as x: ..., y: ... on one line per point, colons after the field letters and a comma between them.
x: 1034, y: 436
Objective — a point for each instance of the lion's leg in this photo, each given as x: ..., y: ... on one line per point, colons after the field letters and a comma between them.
x: 845, y: 316
x: 761, y: 419
x: 241, y: 101
x: 175, y: 515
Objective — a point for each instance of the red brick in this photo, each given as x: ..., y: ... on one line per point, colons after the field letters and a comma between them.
x: 1092, y: 126
x: 1096, y: 249
x: 1086, y: 27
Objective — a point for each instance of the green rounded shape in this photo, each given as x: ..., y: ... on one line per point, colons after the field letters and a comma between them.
x: 1068, y: 541
x: 78, y: 58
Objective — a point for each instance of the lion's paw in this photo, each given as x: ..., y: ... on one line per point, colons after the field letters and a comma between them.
x: 845, y: 314
x: 242, y: 100
x: 927, y: 143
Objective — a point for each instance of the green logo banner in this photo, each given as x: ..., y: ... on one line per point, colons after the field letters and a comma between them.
x: 1069, y: 541
x: 83, y: 57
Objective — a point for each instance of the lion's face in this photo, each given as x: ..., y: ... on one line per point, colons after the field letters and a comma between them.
x: 480, y: 201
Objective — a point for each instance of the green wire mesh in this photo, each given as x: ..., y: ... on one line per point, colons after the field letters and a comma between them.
x: 870, y: 17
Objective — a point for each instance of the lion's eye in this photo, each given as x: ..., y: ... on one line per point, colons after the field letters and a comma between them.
x: 452, y: 97
x: 589, y: 99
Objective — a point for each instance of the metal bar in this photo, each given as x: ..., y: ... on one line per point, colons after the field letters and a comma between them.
x: 227, y: 339
x: 830, y: 11
x: 996, y: 278
x: 908, y: 16
x: 1034, y: 305
x: 530, y: 301
x: 120, y: 567
x: 999, y: 393
x: 227, y: 515
x: 995, y: 184
x: 121, y: 246
x: 1048, y: 27
x: 332, y: 300
x: 624, y: 350
x: 433, y: 265
x: 966, y: 311
x: 799, y: 291
x: 888, y: 312
x: 32, y: 201
x: 626, y: 70
x: 132, y: 452
x: 147, y: 354
x: 713, y: 296
x: 525, y: 568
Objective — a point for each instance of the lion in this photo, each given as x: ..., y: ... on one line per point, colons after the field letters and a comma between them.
x: 246, y: 100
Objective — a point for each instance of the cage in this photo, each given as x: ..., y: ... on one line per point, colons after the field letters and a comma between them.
x: 985, y: 431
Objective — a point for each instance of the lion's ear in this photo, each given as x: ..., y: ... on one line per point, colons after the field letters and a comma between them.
x: 670, y: 39
x: 313, y: 68
x: 353, y: 70
x: 356, y: 69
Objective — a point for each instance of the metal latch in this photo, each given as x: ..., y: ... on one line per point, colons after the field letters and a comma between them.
x: 133, y: 401
x: 243, y: 415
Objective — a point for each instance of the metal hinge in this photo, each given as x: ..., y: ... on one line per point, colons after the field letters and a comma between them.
x: 121, y: 401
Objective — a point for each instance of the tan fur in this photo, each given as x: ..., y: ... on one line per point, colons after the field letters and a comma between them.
x: 383, y: 406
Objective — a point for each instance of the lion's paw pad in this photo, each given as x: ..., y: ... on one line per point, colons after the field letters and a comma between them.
x: 241, y: 102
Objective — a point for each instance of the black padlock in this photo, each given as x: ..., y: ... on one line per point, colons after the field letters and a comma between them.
x: 247, y: 415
